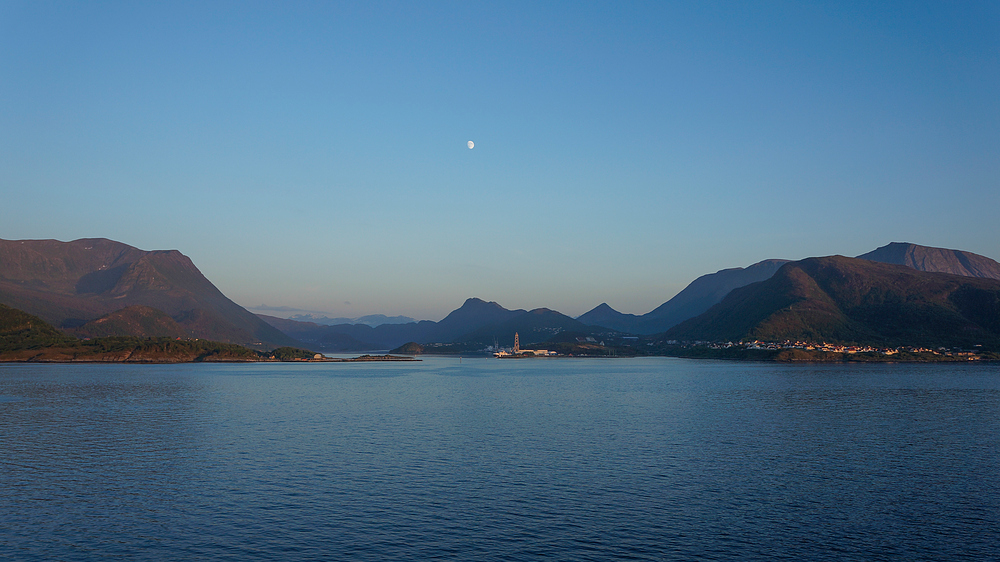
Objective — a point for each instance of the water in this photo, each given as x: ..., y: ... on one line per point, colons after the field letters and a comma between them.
x: 628, y: 459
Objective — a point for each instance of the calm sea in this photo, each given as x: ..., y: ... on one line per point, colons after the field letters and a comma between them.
x: 483, y: 459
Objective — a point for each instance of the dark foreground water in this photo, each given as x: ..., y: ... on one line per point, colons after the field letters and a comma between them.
x: 649, y: 459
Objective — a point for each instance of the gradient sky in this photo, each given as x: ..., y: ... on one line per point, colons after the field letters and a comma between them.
x: 313, y: 155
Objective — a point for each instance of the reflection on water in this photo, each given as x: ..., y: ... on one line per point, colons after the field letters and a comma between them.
x: 494, y: 460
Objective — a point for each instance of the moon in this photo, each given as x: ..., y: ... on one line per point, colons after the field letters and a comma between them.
x: 471, y: 145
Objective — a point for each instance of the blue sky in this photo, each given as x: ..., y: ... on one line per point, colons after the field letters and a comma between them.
x: 314, y: 155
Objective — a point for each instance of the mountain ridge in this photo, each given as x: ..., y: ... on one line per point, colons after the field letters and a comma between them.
x: 932, y: 259
x: 71, y: 283
x: 135, y: 320
x: 96, y: 287
x: 851, y: 300
x: 697, y: 297
x: 475, y: 322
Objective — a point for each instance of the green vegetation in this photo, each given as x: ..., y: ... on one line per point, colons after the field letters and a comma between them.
x: 133, y: 320
x: 291, y: 354
x: 197, y: 350
x: 411, y: 348
x: 20, y: 330
x: 385, y: 357
x: 24, y: 337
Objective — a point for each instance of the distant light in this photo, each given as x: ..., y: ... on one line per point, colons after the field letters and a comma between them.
x: 471, y: 145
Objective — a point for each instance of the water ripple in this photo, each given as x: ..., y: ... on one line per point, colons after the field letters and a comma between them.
x: 491, y: 460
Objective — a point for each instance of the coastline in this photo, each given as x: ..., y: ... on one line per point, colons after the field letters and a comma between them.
x: 71, y: 355
x: 762, y: 356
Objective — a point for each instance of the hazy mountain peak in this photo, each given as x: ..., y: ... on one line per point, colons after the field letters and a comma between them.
x: 939, y: 260
x: 372, y: 320
x: 476, y: 302
x: 704, y: 292
x: 605, y: 316
x: 602, y: 308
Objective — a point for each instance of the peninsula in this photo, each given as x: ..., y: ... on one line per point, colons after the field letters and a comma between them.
x: 25, y: 338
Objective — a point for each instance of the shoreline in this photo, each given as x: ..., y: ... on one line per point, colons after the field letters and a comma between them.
x: 39, y: 356
x: 762, y: 356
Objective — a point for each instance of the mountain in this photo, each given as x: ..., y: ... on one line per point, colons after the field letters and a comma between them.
x: 28, y: 338
x: 318, y: 335
x: 18, y: 330
x: 703, y: 293
x: 324, y: 320
x: 336, y: 341
x: 299, y: 329
x: 374, y: 320
x: 533, y: 327
x: 69, y: 284
x: 604, y: 315
x: 472, y: 315
x: 351, y: 337
x: 135, y: 320
x: 848, y: 300
x: 700, y: 295
x: 475, y: 322
x: 940, y: 260
x: 707, y: 290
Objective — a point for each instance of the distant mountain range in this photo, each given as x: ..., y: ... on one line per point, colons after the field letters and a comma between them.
x: 321, y: 318
x: 850, y: 300
x: 476, y: 322
x: 72, y: 284
x: 372, y: 320
x: 97, y: 287
x: 535, y: 326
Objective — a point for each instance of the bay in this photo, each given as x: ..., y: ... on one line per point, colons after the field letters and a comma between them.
x: 480, y: 459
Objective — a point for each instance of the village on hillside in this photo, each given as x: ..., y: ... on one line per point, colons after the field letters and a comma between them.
x: 968, y: 354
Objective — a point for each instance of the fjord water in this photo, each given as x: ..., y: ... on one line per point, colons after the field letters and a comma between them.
x: 480, y: 459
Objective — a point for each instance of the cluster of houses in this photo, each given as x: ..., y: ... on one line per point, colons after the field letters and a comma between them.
x: 834, y: 348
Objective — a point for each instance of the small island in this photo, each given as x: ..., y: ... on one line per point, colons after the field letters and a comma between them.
x: 365, y: 358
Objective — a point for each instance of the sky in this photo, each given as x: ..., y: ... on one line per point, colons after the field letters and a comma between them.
x: 314, y: 155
